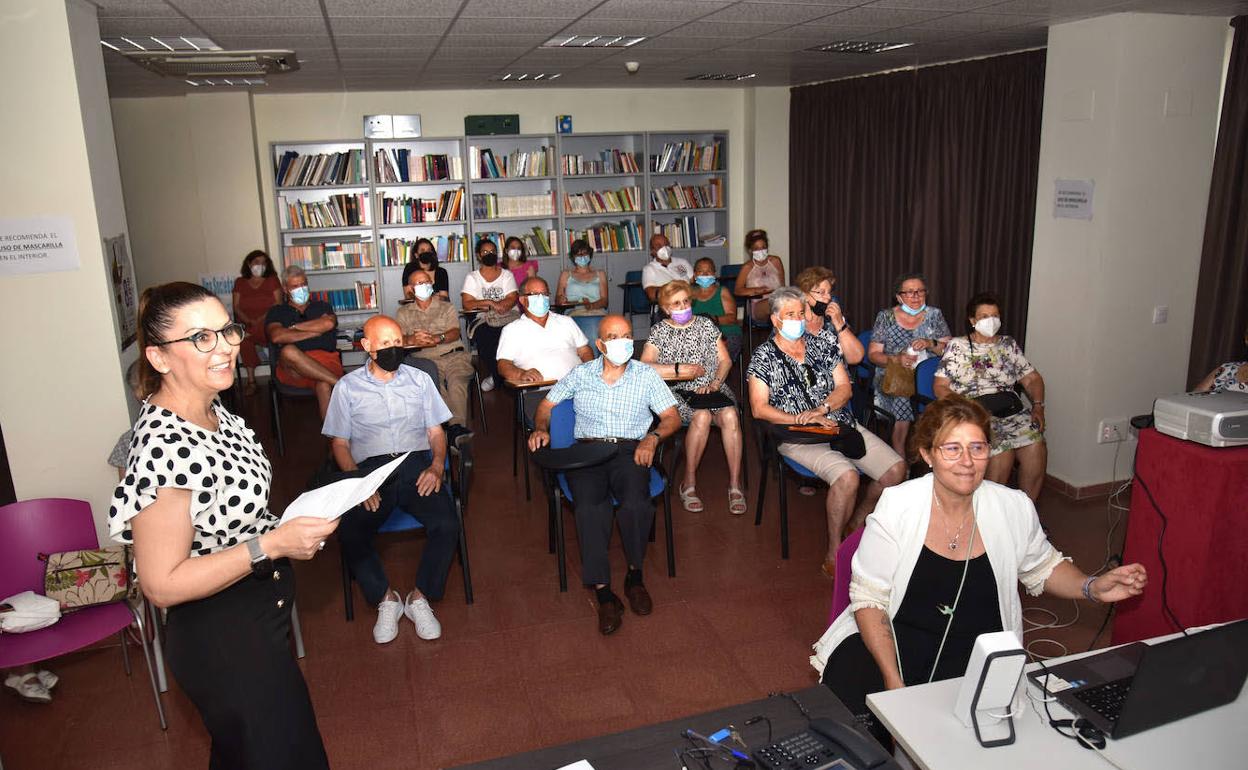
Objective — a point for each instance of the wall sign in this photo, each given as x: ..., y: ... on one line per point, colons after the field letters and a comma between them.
x: 37, y: 245
x: 1072, y: 198
x: 125, y: 293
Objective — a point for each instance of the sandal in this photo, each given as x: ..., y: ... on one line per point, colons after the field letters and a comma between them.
x: 736, y: 501
x: 689, y: 499
x: 28, y: 688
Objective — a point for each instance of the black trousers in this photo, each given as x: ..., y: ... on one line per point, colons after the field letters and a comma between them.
x: 592, y: 491
x: 486, y: 338
x: 230, y: 653
x: 436, y: 512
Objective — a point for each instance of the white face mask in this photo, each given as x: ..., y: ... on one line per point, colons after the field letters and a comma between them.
x: 423, y: 291
x: 513, y: 253
x: 760, y: 255
x: 619, y: 351
x: 988, y: 326
x: 257, y: 271
x: 664, y: 253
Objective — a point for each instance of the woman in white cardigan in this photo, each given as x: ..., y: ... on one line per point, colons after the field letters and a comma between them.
x: 938, y: 565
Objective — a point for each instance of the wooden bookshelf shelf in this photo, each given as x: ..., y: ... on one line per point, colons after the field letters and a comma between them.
x: 433, y: 183
x: 606, y: 215
x: 349, y: 228
x: 435, y: 223
x: 340, y: 270
x: 687, y: 211
x: 322, y: 187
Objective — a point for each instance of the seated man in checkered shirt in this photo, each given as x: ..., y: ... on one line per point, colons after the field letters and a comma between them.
x: 615, y: 399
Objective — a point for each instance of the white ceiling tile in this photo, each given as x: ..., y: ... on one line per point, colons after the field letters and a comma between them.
x: 543, y: 27
x: 1057, y: 8
x: 948, y: 6
x: 771, y: 13
x: 488, y: 41
x: 390, y: 25
x: 976, y: 22
x: 369, y: 42
x: 880, y: 18
x: 647, y: 27
x: 679, y: 42
x: 296, y: 42
x: 145, y: 25
x: 428, y: 9
x: 528, y: 9
x: 112, y: 8
x: 654, y: 9
x: 288, y: 25
x: 733, y: 31
x: 205, y: 9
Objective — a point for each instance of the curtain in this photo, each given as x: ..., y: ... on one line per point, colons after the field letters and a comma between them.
x: 932, y: 170
x: 1218, y: 329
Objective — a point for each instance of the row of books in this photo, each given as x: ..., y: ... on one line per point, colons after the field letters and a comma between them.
x: 399, y: 251
x: 603, y: 201
x: 344, y: 210
x: 519, y: 163
x: 621, y: 236
x: 493, y: 206
x: 682, y: 233
x: 678, y: 196
x: 362, y: 297
x: 687, y: 156
x: 326, y: 168
x: 402, y: 165
x: 331, y: 255
x: 538, y: 242
x: 609, y: 162
x: 404, y: 209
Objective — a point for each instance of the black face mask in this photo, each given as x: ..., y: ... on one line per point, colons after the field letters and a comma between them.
x: 819, y: 307
x: 389, y: 359
x: 489, y: 258
x: 427, y: 258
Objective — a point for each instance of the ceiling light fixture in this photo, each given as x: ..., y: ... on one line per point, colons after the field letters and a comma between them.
x: 721, y: 76
x: 227, y: 82
x: 123, y: 44
x: 593, y: 41
x: 858, y: 46
x: 525, y: 77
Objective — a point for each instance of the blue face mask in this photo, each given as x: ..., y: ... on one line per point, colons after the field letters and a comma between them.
x: 582, y: 260
x: 539, y: 304
x: 705, y: 281
x: 619, y: 351
x: 793, y: 328
x: 912, y: 311
x: 300, y: 295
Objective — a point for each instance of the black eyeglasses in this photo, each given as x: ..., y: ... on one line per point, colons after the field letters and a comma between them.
x: 205, y: 340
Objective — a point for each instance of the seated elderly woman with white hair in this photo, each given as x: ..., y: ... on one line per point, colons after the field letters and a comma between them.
x: 800, y: 379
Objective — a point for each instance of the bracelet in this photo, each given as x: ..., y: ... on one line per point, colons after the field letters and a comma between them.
x: 843, y: 328
x: 1037, y: 403
x: 1087, y: 589
x: 677, y: 368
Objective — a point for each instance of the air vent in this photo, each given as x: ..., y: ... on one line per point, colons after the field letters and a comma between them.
x: 527, y: 77
x: 720, y: 76
x: 214, y: 64
x: 858, y: 46
x: 594, y: 41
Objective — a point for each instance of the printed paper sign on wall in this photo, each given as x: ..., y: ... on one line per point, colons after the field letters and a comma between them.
x: 37, y: 245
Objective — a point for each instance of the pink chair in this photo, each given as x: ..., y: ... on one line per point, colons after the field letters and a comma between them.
x: 50, y: 525
x: 844, y: 570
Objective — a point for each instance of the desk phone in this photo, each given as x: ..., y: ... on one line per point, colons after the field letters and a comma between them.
x: 824, y: 745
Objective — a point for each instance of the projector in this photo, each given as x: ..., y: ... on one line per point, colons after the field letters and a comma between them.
x: 1212, y: 419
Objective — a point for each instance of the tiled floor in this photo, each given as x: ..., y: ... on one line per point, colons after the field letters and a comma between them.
x: 524, y: 666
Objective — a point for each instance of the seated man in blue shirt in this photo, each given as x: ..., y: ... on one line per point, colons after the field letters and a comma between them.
x: 615, y: 399
x: 376, y: 412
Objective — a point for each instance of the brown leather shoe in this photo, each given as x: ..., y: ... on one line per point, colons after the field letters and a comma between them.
x: 610, y: 616
x: 638, y: 599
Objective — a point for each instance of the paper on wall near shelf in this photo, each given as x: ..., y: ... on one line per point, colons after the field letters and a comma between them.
x: 333, y: 500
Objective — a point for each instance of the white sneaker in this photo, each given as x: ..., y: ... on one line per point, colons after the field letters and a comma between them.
x: 48, y: 679
x: 421, y: 614
x: 388, y: 614
x: 28, y: 688
x: 487, y: 384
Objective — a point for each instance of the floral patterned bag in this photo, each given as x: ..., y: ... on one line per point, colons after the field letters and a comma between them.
x: 78, y: 579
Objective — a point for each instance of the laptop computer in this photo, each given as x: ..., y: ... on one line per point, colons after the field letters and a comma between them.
x: 1139, y: 686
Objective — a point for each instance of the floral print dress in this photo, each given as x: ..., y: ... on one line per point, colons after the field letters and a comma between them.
x: 696, y: 343
x: 977, y: 369
x: 1227, y: 378
x: 895, y: 338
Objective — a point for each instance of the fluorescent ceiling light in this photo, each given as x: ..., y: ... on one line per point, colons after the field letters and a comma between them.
x: 227, y: 82
x: 719, y: 76
x: 122, y: 44
x: 858, y: 46
x: 593, y: 41
x: 526, y: 77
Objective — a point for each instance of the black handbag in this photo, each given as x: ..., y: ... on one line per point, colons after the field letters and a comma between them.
x: 1005, y: 404
x: 848, y: 441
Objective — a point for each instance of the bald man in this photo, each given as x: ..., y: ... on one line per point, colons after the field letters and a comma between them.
x: 616, y: 400
x: 377, y: 412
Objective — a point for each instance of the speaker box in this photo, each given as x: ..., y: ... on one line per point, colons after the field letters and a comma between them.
x: 485, y: 125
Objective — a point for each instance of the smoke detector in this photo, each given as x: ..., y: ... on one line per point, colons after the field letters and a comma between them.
x: 213, y: 64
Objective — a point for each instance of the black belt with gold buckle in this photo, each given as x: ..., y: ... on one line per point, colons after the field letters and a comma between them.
x: 608, y: 440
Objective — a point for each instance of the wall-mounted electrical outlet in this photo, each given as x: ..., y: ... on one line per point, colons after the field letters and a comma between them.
x: 1113, y: 429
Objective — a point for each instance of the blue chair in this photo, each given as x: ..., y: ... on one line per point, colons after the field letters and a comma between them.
x: 924, y: 384
x: 279, y: 390
x: 562, y: 435
x: 457, y: 478
x: 635, y: 300
x: 728, y: 273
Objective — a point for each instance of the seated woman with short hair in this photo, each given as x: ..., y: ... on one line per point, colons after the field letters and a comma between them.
x: 1233, y: 376
x: 940, y: 563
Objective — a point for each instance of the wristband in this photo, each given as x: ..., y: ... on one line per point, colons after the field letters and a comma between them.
x: 843, y: 328
x: 1040, y: 404
x: 1087, y: 589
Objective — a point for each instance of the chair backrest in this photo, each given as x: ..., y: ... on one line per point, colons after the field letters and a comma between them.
x: 44, y: 525
x: 563, y: 425
x: 865, y: 370
x: 925, y: 378
x: 729, y: 272
x: 844, y: 571
x: 636, y: 300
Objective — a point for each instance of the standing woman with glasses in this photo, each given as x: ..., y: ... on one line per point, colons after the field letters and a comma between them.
x: 908, y: 325
x: 194, y: 504
x: 940, y: 563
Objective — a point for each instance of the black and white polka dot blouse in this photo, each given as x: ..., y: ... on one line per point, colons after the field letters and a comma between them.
x: 226, y: 472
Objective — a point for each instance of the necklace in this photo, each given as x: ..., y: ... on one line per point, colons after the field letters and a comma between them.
x: 953, y: 541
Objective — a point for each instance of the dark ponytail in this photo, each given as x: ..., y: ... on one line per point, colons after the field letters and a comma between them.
x: 157, y: 306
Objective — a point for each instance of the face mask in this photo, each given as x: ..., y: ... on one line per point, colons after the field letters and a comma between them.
x: 664, y: 254
x: 705, y: 281
x: 539, y: 305
x: 427, y: 258
x: 581, y: 260
x: 619, y: 351
x: 390, y: 358
x: 257, y: 271
x: 682, y: 317
x: 300, y: 295
x: 819, y: 308
x: 489, y: 259
x: 988, y: 326
x: 423, y: 291
x: 912, y: 311
x: 793, y: 328
x: 760, y: 255
x: 513, y: 253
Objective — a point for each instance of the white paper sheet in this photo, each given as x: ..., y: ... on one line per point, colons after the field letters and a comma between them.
x: 580, y: 764
x: 333, y: 500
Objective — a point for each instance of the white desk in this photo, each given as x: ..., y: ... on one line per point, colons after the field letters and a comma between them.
x: 922, y: 721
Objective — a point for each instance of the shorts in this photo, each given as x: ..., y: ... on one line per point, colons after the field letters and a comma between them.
x: 326, y: 358
x: 828, y: 464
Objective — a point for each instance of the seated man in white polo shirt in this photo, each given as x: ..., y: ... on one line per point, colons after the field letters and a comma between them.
x: 540, y: 345
x: 663, y: 268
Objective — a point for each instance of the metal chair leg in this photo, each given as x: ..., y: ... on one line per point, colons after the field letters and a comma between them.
x: 125, y: 651
x: 784, y: 510
x: 151, y: 670
x: 296, y: 631
x: 667, y: 521
x: 162, y: 679
x: 348, y: 598
x: 560, y: 546
x: 762, y: 487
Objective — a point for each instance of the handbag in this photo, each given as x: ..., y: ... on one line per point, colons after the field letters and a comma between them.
x: 1004, y: 404
x: 848, y: 441
x: 77, y: 579
x: 898, y: 380
x: 714, y: 400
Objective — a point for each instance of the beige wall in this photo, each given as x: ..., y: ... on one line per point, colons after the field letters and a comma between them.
x: 62, y: 399
x: 189, y: 162
x: 1095, y: 283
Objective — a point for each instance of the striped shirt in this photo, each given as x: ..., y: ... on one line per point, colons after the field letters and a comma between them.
x: 624, y: 409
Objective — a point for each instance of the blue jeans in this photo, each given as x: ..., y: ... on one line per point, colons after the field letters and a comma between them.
x: 589, y: 326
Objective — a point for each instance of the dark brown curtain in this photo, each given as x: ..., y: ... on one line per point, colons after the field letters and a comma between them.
x: 932, y: 170
x: 1221, y: 304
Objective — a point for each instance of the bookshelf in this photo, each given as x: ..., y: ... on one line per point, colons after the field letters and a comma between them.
x: 615, y: 189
